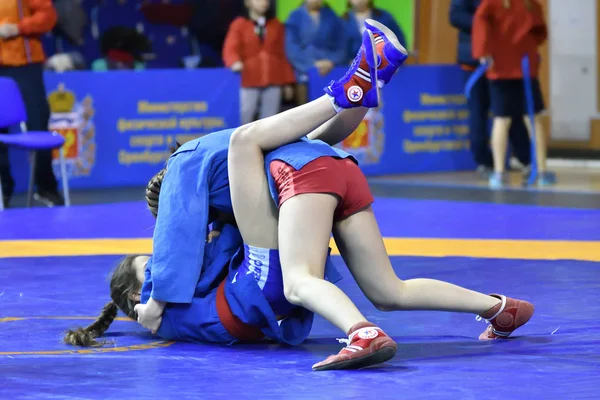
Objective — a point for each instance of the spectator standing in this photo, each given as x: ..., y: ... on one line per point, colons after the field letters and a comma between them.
x: 22, y: 58
x: 462, y: 13
x: 254, y: 46
x: 315, y: 38
x: 504, y: 31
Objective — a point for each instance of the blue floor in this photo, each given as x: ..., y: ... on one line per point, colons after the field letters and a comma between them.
x: 555, y: 356
x: 397, y: 217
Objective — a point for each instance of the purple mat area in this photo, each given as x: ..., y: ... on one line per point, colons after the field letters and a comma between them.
x: 554, y: 356
x: 454, y: 219
x: 118, y: 220
x: 397, y: 218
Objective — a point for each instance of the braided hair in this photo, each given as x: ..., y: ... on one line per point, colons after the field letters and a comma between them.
x: 123, y: 285
x: 153, y: 191
x: 123, y: 282
x: 86, y: 337
x: 153, y: 187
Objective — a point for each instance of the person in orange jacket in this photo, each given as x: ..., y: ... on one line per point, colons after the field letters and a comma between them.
x: 254, y: 46
x: 504, y: 31
x: 22, y: 59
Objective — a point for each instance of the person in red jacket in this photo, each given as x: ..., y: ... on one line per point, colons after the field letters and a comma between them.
x: 254, y: 46
x: 22, y: 59
x: 504, y: 31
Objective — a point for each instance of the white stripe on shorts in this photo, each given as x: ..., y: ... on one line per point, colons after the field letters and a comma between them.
x: 258, y: 264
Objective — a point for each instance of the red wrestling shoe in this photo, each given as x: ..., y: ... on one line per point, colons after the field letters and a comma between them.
x: 505, y: 317
x: 367, y: 345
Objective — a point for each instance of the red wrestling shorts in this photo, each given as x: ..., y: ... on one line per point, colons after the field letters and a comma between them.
x: 340, y: 177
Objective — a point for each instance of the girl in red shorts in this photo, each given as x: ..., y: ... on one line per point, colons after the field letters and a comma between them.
x: 318, y: 195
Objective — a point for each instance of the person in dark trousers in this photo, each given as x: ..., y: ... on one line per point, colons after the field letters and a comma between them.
x: 461, y: 17
x: 21, y: 59
x: 504, y: 31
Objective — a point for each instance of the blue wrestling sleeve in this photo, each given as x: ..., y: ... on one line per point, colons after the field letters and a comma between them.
x: 198, y: 321
x: 181, y: 229
x: 196, y: 178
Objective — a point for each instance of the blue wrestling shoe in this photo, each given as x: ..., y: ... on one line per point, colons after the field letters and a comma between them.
x: 358, y: 88
x: 390, y: 53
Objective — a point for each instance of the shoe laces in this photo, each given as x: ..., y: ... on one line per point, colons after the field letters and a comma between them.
x: 344, y: 341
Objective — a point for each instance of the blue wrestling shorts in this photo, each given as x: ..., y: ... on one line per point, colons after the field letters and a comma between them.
x: 265, y: 266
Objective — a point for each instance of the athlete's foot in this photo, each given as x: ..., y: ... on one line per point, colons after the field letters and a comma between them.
x: 505, y: 317
x: 367, y: 345
x: 390, y: 53
x: 358, y: 88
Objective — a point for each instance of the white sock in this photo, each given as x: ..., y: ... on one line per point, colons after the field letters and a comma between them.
x: 337, y: 108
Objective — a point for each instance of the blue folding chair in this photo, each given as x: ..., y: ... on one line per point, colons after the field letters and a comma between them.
x: 12, y: 112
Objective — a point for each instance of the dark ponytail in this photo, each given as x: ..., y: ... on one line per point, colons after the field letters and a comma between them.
x: 124, y: 286
x: 86, y: 337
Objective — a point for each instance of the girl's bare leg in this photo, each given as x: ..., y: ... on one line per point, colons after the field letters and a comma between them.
x: 306, y: 219
x: 254, y: 211
x: 361, y: 245
x: 253, y: 207
x: 362, y: 248
x: 500, y: 128
x: 339, y: 127
x: 289, y: 126
x: 358, y: 89
x: 540, y: 141
x: 305, y: 223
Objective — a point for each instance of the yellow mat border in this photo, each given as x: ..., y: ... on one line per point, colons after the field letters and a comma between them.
x: 423, y: 247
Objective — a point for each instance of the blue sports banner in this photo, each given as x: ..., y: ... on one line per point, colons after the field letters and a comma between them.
x: 119, y: 125
x: 421, y: 124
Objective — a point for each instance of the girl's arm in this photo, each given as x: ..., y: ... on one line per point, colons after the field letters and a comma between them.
x: 231, y: 47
